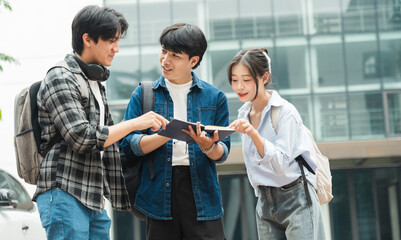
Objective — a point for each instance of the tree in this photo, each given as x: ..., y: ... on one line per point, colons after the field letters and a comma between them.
x: 4, y: 57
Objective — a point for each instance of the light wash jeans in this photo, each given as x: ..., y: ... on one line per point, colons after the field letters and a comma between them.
x: 64, y: 217
x: 284, y: 213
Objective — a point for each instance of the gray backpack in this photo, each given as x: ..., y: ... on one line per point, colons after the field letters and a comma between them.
x: 27, y: 134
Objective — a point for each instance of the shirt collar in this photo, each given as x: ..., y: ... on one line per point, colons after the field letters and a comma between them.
x: 161, y: 82
x: 72, y: 63
x: 275, y: 100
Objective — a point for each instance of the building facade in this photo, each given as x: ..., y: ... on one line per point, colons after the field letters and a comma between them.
x: 337, y: 61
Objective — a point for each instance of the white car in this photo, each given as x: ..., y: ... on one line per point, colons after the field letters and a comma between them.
x: 19, y: 216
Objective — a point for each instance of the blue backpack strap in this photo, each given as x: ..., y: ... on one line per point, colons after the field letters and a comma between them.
x: 148, y: 104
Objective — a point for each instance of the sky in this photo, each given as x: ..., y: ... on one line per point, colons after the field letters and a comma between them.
x: 38, y: 34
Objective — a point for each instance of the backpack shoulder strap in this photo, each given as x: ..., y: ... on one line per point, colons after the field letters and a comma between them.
x: 148, y: 104
x: 148, y: 98
x: 275, y: 116
x: 81, y: 81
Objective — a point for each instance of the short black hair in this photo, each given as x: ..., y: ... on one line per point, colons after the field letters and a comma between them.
x: 184, y: 38
x: 98, y: 22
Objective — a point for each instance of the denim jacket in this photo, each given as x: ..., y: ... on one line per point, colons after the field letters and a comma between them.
x: 205, y: 103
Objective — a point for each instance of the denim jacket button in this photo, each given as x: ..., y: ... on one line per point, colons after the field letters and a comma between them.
x: 167, y: 184
x: 168, y: 159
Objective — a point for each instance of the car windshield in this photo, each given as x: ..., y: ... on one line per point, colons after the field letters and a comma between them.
x: 7, y: 182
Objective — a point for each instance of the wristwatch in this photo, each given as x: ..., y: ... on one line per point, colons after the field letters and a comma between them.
x: 208, y: 151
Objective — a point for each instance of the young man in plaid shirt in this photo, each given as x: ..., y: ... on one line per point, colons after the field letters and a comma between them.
x: 83, y: 165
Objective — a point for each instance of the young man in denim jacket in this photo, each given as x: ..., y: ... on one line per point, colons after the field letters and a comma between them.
x: 183, y: 200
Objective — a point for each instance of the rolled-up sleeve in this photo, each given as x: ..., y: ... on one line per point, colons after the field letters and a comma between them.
x: 130, y: 143
x: 222, y: 120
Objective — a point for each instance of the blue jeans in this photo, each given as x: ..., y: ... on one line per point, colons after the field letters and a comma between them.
x: 284, y: 213
x: 64, y: 217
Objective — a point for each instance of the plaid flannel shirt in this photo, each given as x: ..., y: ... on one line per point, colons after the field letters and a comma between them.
x: 74, y: 163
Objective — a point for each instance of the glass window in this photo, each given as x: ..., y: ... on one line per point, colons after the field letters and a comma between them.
x: 118, y: 113
x: 330, y: 65
x: 222, y: 15
x: 394, y: 113
x: 366, y: 203
x: 359, y: 16
x: 239, y: 203
x: 127, y: 227
x: 340, y: 207
x: 131, y: 15
x: 233, y: 105
x: 366, y: 115
x: 288, y: 67
x: 220, y: 61
x: 150, y: 66
x: 332, y: 109
x: 288, y: 17
x: 255, y: 19
x: 186, y: 11
x: 365, y: 208
x: 124, y: 77
x: 362, y: 62
x: 389, y: 14
x: 387, y: 190
x: 390, y: 59
x: 154, y: 17
x: 327, y: 18
x: 301, y: 103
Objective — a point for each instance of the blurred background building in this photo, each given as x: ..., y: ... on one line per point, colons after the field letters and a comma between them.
x: 337, y: 61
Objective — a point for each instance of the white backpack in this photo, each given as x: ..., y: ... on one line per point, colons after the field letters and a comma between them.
x: 322, y: 172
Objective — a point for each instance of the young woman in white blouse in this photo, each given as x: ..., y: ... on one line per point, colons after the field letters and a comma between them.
x: 283, y: 211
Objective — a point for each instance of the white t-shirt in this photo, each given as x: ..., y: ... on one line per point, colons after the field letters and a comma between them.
x: 178, y: 93
x: 96, y: 92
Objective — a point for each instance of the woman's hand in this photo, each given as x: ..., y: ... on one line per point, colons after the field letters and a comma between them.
x: 243, y: 126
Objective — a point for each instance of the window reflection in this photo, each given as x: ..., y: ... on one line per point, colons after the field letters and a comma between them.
x: 359, y: 16
x: 327, y: 16
x: 390, y: 57
x: 289, y: 68
x: 333, y: 112
x: 330, y: 65
x: 362, y: 62
x: 394, y: 113
x: 181, y: 13
x: 220, y: 61
x: 124, y: 77
x: 288, y: 17
x: 367, y: 117
x: 154, y: 17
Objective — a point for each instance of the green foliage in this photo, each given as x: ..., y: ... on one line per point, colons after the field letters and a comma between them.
x: 3, y: 57
x: 6, y: 58
x: 5, y: 4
